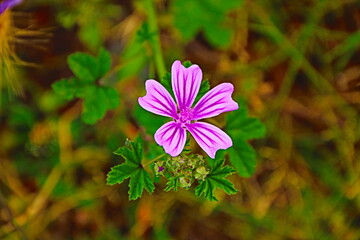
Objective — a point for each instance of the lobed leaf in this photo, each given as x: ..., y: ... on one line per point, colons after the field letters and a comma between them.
x: 84, y: 66
x: 133, y: 169
x: 216, y: 179
x: 242, y: 128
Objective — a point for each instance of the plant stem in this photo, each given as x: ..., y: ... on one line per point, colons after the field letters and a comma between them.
x: 155, y: 41
x: 153, y: 160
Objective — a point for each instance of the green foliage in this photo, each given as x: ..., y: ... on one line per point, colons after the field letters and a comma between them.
x: 144, y: 33
x: 209, y: 16
x: 172, y: 184
x: 91, y: 16
x: 216, y: 179
x: 87, y: 70
x: 133, y: 169
x: 204, y: 88
x: 242, y: 128
x: 133, y: 58
x: 166, y: 82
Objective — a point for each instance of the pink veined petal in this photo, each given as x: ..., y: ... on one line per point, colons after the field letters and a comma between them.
x: 6, y: 4
x: 158, y: 100
x: 214, y: 102
x: 172, y: 137
x: 209, y: 137
x: 185, y: 83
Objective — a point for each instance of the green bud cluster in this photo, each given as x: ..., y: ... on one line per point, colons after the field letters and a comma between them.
x: 185, y: 168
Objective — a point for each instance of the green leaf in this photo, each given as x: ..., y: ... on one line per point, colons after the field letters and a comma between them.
x: 132, y: 152
x: 97, y: 101
x: 144, y: 33
x: 66, y: 88
x: 133, y: 169
x: 243, y: 158
x: 104, y: 62
x: 139, y: 181
x: 209, y: 16
x: 151, y: 122
x: 242, y: 128
x: 84, y: 66
x: 204, y: 88
x: 240, y: 125
x: 187, y: 63
x: 172, y: 184
x: 166, y: 82
x: 119, y: 173
x: 216, y: 179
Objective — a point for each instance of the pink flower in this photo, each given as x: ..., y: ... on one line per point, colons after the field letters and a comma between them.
x: 186, y: 84
x: 6, y: 4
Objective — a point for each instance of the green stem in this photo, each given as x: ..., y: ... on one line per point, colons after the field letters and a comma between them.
x: 155, y: 41
x: 153, y: 160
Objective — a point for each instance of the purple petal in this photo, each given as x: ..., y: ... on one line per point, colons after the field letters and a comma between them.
x: 172, y: 137
x: 209, y: 137
x: 214, y: 102
x: 185, y: 83
x: 8, y: 4
x: 158, y: 100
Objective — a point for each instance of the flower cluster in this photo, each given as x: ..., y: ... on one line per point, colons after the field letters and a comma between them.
x: 185, y: 85
x: 185, y: 168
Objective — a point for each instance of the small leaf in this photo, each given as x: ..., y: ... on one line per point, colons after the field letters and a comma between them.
x: 144, y: 33
x: 172, y: 184
x: 216, y: 179
x: 84, y: 67
x: 166, y: 82
x: 66, y: 88
x: 187, y: 64
x: 204, y: 88
x: 104, y: 62
x: 243, y: 158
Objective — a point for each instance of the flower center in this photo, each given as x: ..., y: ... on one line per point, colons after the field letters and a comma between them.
x: 185, y: 116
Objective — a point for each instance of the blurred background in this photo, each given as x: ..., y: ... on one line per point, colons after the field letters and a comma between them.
x: 296, y: 63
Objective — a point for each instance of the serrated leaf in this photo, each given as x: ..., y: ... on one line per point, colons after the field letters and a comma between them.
x: 139, y: 181
x: 133, y: 169
x: 243, y: 158
x: 172, y: 184
x: 119, y: 173
x: 131, y: 152
x: 84, y: 67
x: 104, y: 62
x: 66, y: 88
x: 216, y: 179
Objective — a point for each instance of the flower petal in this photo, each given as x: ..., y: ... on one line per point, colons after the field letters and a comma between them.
x: 8, y: 4
x: 209, y: 137
x: 214, y: 102
x: 158, y: 100
x: 172, y: 137
x: 185, y: 83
